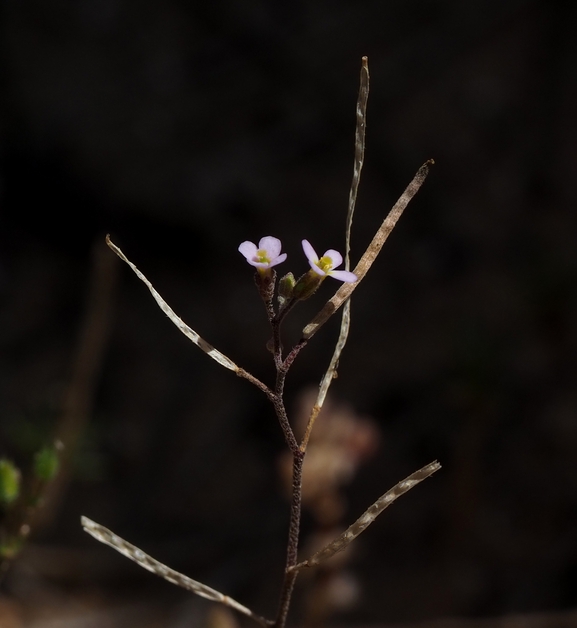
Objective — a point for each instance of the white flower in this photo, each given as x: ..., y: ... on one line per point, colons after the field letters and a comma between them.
x: 324, y: 266
x: 266, y: 255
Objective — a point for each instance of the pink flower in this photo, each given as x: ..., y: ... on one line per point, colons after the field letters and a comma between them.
x: 266, y: 255
x: 324, y: 266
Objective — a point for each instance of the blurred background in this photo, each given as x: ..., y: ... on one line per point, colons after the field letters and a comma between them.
x: 184, y: 128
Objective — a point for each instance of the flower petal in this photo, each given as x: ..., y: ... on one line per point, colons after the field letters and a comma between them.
x: 318, y: 270
x: 344, y: 275
x: 310, y: 253
x: 248, y: 249
x: 335, y: 256
x: 271, y: 245
x: 278, y: 260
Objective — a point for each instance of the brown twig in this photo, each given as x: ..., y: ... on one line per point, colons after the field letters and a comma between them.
x: 86, y: 370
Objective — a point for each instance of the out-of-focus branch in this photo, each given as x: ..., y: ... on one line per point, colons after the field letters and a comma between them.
x: 87, y: 364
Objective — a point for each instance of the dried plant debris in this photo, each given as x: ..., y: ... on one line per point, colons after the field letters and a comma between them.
x: 104, y: 535
x: 365, y: 520
x: 369, y: 256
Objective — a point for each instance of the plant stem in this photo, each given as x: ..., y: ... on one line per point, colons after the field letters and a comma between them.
x: 293, y: 354
x: 293, y: 541
x: 281, y: 414
x: 282, y: 368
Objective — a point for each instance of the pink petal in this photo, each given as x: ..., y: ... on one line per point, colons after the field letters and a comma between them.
x: 271, y: 245
x: 310, y: 253
x: 248, y: 249
x: 318, y: 270
x: 278, y: 260
x: 344, y: 275
x: 335, y: 256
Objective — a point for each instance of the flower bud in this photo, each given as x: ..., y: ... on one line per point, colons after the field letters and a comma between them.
x: 307, y: 285
x: 285, y: 288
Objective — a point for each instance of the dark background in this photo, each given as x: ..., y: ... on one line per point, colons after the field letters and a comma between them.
x: 184, y: 128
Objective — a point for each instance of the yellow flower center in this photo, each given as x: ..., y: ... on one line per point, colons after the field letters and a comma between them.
x: 262, y: 257
x: 325, y: 264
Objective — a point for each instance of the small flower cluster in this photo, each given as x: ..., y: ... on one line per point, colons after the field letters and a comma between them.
x: 268, y: 254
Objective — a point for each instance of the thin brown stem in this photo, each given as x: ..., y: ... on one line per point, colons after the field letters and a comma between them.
x: 254, y: 380
x: 285, y: 310
x: 265, y: 287
x: 276, y: 323
x: 293, y: 353
x: 277, y: 347
x: 281, y: 414
x: 293, y: 541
